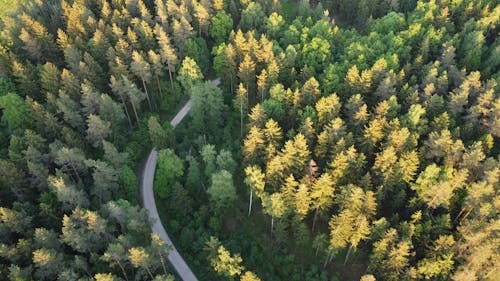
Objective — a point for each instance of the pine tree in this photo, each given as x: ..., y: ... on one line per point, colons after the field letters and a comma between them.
x: 142, y: 69
x: 255, y: 180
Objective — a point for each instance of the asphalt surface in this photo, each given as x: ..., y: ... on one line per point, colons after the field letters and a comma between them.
x: 148, y: 202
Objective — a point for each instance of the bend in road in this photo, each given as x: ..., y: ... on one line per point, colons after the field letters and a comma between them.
x: 148, y: 202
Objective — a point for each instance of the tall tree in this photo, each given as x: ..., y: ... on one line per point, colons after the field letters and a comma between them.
x: 352, y: 225
x: 255, y: 180
x: 142, y: 69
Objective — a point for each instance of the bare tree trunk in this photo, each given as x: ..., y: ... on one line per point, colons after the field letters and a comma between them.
x: 122, y: 269
x: 150, y: 273
x: 272, y: 225
x: 327, y: 259
x: 147, y: 94
x: 314, y: 220
x: 136, y: 116
x: 126, y: 110
x: 75, y: 171
x: 347, y: 255
x: 163, y: 264
x: 241, y: 117
x: 171, y: 79
x: 250, y: 204
x: 159, y: 86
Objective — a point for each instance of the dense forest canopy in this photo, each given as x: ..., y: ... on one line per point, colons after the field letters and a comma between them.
x: 347, y: 140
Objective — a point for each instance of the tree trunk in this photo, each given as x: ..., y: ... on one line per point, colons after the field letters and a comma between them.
x: 163, y: 264
x: 126, y: 110
x: 272, y: 225
x: 241, y: 117
x: 347, y: 255
x: 250, y: 204
x: 136, y: 116
x: 327, y: 259
x: 248, y: 99
x: 150, y: 273
x: 314, y: 220
x: 159, y: 87
x: 171, y: 79
x: 122, y: 269
x: 75, y: 171
x: 147, y: 94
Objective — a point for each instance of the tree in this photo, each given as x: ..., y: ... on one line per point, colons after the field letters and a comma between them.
x: 241, y: 101
x: 328, y: 109
x: 117, y: 88
x: 352, y: 225
x: 110, y: 111
x: 249, y: 276
x: 311, y: 91
x: 274, y: 206
x: 222, y: 24
x: 142, y: 69
x: 167, y: 52
x: 182, y: 32
x: 84, y: 230
x: 16, y: 114
x: 435, y: 185
x: 105, y: 179
x: 253, y: 146
x: 157, y: 67
x: 97, y: 130
x: 140, y: 258
x: 68, y: 194
x: 262, y: 83
x: 222, y: 191
x: 134, y: 95
x: 71, y: 159
x: 50, y: 78
x: 302, y: 201
x: 246, y: 71
x: 252, y: 17
x: 224, y: 263
x: 116, y: 255
x: 225, y: 161
x: 48, y: 263
x: 390, y: 257
x: 274, y: 25
x: 255, y: 180
x: 159, y: 137
x: 207, y: 110
x: 208, y: 154
x: 189, y: 74
x: 322, y: 195
x: 203, y: 16
x: 170, y: 168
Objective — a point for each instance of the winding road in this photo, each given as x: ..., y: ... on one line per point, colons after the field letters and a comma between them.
x: 148, y: 202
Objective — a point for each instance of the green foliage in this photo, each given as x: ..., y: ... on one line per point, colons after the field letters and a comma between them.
x: 15, y: 112
x: 169, y: 168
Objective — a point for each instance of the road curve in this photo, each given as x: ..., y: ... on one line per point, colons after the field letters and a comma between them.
x: 148, y: 202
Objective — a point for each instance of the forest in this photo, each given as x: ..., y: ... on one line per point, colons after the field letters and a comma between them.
x: 347, y: 140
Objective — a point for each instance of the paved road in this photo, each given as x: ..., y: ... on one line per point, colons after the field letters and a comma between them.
x: 148, y: 201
